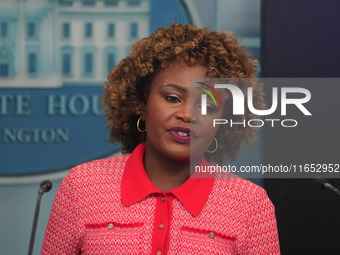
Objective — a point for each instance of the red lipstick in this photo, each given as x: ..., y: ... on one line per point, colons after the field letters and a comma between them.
x: 181, y: 134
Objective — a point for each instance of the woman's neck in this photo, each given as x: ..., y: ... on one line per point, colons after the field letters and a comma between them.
x: 165, y: 173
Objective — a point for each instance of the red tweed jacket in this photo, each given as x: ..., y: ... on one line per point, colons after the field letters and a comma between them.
x: 110, y: 207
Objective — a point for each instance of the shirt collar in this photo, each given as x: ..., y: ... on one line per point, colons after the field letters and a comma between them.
x: 136, y: 185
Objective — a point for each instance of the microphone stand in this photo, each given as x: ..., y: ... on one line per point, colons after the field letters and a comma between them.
x: 325, y: 185
x: 45, y: 186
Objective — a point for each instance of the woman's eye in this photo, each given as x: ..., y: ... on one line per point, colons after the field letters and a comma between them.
x: 210, y: 109
x: 172, y: 99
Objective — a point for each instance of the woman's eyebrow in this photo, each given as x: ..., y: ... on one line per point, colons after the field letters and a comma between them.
x: 175, y: 86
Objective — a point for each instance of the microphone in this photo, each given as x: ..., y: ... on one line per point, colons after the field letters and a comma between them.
x: 45, y: 186
x: 325, y: 185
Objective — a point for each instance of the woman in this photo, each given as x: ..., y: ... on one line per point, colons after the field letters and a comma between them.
x: 145, y: 202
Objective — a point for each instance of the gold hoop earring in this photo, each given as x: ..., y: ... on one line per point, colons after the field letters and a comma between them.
x: 215, y: 147
x: 138, y: 121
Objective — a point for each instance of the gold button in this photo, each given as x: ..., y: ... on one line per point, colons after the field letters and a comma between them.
x: 110, y: 226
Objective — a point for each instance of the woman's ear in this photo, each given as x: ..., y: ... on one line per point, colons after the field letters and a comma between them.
x: 143, y: 112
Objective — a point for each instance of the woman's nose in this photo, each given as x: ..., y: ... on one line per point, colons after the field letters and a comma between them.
x: 183, y: 112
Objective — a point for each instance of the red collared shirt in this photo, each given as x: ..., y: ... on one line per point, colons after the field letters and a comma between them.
x: 136, y: 186
x: 111, y: 207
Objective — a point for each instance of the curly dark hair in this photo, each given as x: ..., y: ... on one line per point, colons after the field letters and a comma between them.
x: 128, y: 85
